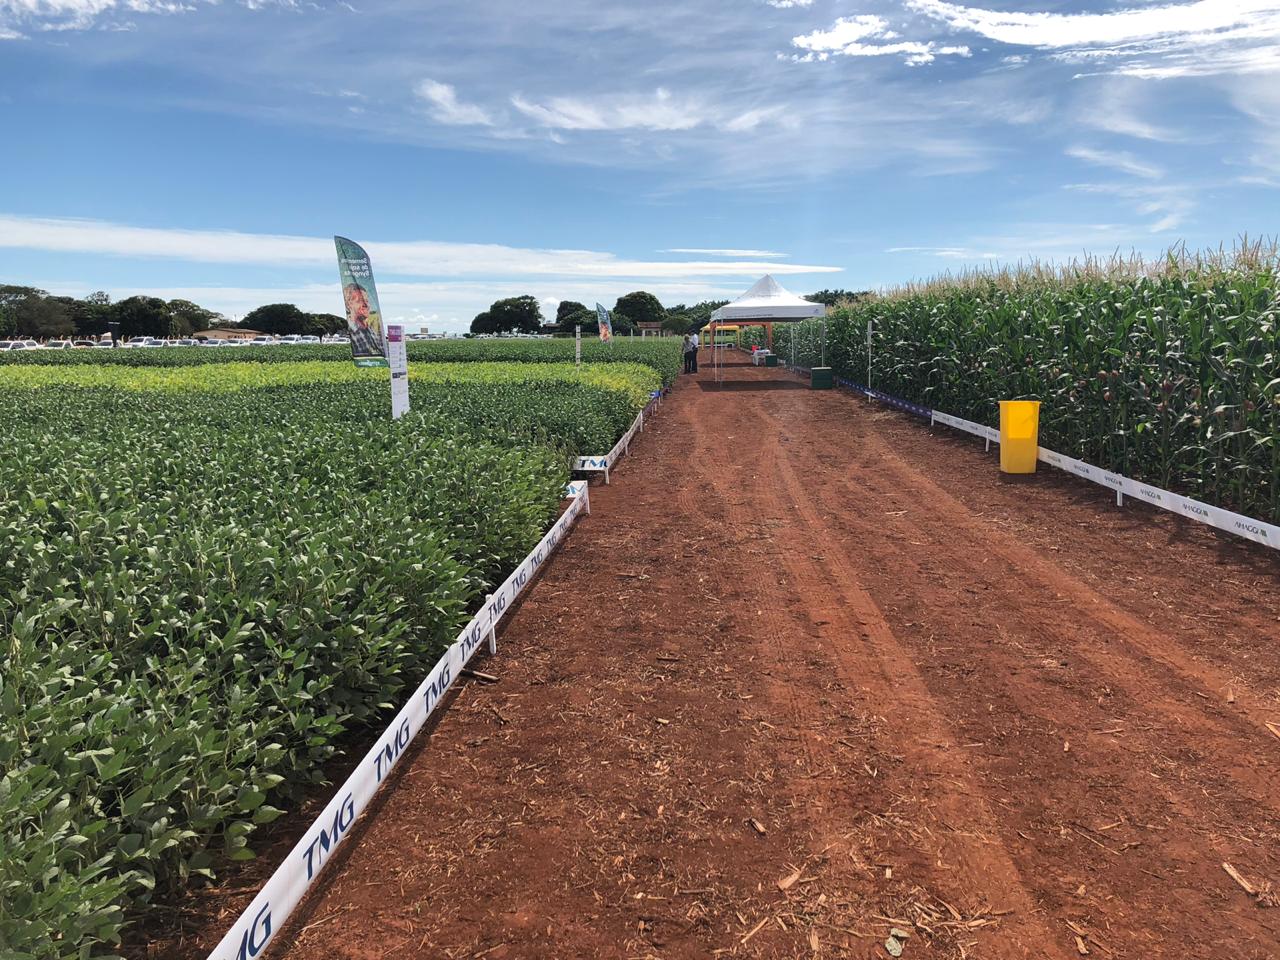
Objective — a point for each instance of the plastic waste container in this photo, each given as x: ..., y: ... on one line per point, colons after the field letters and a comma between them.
x: 1019, y: 435
x: 820, y: 378
x: 771, y: 360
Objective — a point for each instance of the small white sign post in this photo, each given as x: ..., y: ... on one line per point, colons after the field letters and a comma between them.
x: 868, y: 354
x: 577, y: 347
x: 399, y: 370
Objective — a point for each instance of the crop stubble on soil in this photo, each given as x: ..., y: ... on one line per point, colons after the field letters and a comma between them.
x: 805, y: 643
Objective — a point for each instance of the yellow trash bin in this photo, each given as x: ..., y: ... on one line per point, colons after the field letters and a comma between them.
x: 1019, y: 435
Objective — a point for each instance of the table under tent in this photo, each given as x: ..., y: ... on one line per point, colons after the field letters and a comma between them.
x: 766, y: 303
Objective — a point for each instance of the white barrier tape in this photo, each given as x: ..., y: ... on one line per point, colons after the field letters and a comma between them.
x: 253, y: 930
x: 606, y: 462
x: 1234, y: 523
x: 968, y: 426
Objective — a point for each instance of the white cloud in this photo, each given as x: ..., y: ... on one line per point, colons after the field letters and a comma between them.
x: 424, y: 258
x: 1043, y: 242
x: 1170, y: 204
x: 444, y: 106
x: 1117, y: 160
x: 723, y: 252
x: 48, y: 16
x: 845, y: 38
x: 1114, y: 111
x: 1165, y: 40
x: 788, y: 4
x: 661, y: 111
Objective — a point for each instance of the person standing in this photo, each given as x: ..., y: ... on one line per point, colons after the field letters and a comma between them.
x: 693, y: 351
x: 688, y: 353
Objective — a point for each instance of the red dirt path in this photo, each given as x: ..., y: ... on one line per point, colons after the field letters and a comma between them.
x: 805, y: 642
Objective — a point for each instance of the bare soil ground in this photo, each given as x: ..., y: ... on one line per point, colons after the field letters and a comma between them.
x: 810, y: 672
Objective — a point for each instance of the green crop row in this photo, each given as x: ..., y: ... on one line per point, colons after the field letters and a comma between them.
x: 204, y: 593
x: 661, y: 353
x: 1168, y: 375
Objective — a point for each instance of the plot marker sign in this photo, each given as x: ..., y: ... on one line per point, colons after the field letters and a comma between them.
x: 399, y: 371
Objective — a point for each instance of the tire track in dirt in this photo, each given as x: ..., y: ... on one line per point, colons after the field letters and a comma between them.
x: 1028, y: 707
x: 1124, y: 626
x: 869, y: 652
x: 957, y: 549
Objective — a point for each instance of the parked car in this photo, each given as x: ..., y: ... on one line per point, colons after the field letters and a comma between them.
x: 309, y: 339
x: 58, y: 345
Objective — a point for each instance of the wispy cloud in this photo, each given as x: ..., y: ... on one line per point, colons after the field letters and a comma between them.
x: 423, y: 258
x: 660, y: 110
x: 1120, y: 160
x: 1044, y: 242
x: 1169, y: 204
x: 723, y: 252
x: 47, y: 16
x: 444, y: 106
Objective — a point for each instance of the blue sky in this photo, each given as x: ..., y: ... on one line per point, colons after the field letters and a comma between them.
x: 581, y: 149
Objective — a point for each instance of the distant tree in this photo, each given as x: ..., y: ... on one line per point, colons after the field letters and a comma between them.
x: 484, y: 323
x: 326, y: 323
x: 142, y: 317
x: 571, y: 314
x: 517, y: 314
x: 278, y: 319
x: 677, y: 323
x: 188, y: 317
x: 566, y: 310
x: 636, y: 308
x: 833, y: 297
x: 92, y: 313
x: 33, y: 313
x: 698, y: 315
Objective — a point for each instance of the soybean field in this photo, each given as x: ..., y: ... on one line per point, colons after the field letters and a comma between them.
x: 216, y: 576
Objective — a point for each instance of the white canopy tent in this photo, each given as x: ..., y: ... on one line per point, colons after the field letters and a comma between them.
x: 766, y: 303
x: 768, y: 300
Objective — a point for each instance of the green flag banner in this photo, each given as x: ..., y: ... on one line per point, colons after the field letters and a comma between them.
x: 364, y: 319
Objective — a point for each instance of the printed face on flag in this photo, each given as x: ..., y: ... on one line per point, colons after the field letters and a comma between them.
x: 364, y: 319
x: 606, y: 325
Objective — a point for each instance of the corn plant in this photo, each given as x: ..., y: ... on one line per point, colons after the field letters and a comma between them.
x: 1166, y: 372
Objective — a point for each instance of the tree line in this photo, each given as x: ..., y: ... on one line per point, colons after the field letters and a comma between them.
x: 524, y: 315
x: 35, y: 313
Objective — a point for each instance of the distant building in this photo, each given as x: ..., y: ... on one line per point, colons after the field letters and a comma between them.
x: 228, y: 333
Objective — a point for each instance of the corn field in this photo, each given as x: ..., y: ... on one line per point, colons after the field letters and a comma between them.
x: 1164, y: 372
